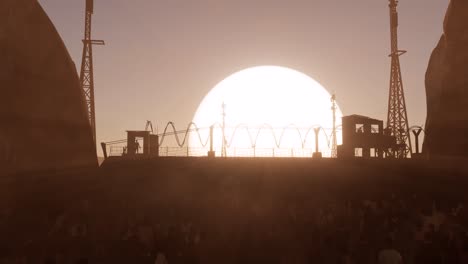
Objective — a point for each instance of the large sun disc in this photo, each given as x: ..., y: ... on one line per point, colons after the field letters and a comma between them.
x: 267, y: 111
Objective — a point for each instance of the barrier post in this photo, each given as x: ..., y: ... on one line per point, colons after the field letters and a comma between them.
x: 211, y: 153
x: 317, y: 154
x: 104, y: 150
x: 416, y: 136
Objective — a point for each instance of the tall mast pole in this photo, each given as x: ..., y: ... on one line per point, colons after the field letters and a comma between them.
x: 87, y: 73
x: 397, y: 119
x: 334, y: 151
x: 223, y: 147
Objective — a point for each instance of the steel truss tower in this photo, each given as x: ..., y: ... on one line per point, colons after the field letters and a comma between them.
x: 87, y: 74
x: 397, y: 120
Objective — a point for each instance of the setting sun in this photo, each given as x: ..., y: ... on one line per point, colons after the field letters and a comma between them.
x: 269, y: 111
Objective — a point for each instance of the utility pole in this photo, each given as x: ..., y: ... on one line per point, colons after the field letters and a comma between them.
x: 223, y: 146
x: 397, y: 119
x: 87, y: 74
x: 334, y: 151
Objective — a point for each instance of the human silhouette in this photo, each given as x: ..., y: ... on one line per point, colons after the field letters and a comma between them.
x: 160, y: 259
x: 137, y: 146
x: 389, y: 255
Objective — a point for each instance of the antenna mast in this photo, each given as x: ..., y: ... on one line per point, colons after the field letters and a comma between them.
x: 223, y: 147
x: 87, y: 74
x: 397, y: 120
x: 334, y: 152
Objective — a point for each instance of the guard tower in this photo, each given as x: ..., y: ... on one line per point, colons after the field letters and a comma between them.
x: 364, y: 137
x: 142, y: 143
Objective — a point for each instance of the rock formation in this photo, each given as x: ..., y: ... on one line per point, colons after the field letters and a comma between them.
x: 42, y: 109
x: 447, y: 88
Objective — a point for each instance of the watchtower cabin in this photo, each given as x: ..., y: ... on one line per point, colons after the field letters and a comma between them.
x: 149, y: 144
x: 364, y: 137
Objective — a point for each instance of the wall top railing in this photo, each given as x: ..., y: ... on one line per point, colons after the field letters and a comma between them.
x: 173, y: 142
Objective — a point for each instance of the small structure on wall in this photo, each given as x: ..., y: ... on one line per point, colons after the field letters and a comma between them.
x: 149, y: 143
x: 138, y: 144
x: 365, y: 137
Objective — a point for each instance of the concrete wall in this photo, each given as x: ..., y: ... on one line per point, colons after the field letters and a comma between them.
x: 42, y: 109
x: 447, y: 88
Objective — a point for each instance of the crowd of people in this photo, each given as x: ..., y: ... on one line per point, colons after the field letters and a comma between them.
x: 365, y: 231
x: 243, y: 220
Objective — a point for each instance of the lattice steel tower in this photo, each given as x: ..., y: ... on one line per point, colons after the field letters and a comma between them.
x: 87, y: 74
x: 397, y: 120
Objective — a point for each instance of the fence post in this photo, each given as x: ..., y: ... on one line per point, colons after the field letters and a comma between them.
x: 317, y: 154
x: 211, y: 153
x: 416, y: 136
x: 104, y: 150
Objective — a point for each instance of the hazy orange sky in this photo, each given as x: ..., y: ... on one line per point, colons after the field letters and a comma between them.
x: 163, y: 56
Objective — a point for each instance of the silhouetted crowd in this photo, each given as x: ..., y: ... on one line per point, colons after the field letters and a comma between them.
x: 294, y: 231
x: 250, y: 214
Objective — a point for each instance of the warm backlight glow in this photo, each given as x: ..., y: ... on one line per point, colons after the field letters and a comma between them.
x: 261, y: 98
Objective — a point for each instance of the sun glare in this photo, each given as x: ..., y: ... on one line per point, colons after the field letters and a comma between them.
x: 268, y: 111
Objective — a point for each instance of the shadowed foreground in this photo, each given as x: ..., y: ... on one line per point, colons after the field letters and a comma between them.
x: 236, y: 211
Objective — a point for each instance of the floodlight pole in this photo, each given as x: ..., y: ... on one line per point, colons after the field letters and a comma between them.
x: 87, y: 72
x: 223, y: 146
x: 334, y: 152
